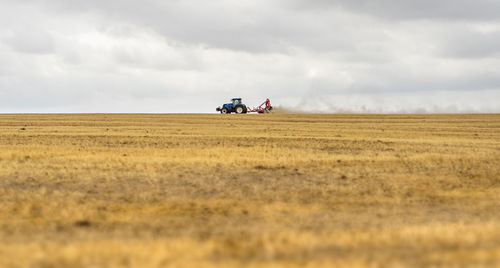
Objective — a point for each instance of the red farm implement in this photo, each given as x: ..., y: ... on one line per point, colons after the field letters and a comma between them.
x: 264, y: 108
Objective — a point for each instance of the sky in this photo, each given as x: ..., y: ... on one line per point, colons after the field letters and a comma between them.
x: 190, y: 56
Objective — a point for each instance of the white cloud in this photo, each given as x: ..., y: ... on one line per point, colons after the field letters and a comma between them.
x: 164, y: 56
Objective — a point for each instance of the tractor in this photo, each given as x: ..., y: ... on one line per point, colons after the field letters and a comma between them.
x: 236, y: 106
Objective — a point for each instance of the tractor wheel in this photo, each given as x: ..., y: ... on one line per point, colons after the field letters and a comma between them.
x: 240, y: 110
x: 224, y: 111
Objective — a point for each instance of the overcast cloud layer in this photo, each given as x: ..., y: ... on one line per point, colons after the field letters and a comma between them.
x: 381, y: 56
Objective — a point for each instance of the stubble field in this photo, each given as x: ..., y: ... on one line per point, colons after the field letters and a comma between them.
x: 280, y: 190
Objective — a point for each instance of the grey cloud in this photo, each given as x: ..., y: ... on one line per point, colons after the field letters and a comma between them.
x: 471, y: 44
x: 277, y: 27
x: 264, y: 28
x: 399, y: 81
x: 35, y: 41
x: 411, y: 10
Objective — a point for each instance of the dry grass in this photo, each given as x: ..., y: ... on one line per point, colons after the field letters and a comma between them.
x: 278, y: 190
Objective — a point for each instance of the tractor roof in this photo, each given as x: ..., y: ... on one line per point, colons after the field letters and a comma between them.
x: 236, y: 99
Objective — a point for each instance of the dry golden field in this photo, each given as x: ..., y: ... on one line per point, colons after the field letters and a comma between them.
x: 280, y: 190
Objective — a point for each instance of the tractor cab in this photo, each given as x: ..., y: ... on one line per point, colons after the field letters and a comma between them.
x: 235, y: 101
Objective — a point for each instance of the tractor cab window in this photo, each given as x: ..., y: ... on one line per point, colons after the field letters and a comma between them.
x: 235, y: 102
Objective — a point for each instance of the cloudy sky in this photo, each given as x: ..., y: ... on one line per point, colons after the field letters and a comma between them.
x: 192, y: 55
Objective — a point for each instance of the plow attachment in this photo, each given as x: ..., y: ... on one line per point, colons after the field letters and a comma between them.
x: 264, y: 108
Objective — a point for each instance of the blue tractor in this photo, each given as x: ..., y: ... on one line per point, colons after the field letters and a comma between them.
x: 236, y: 106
